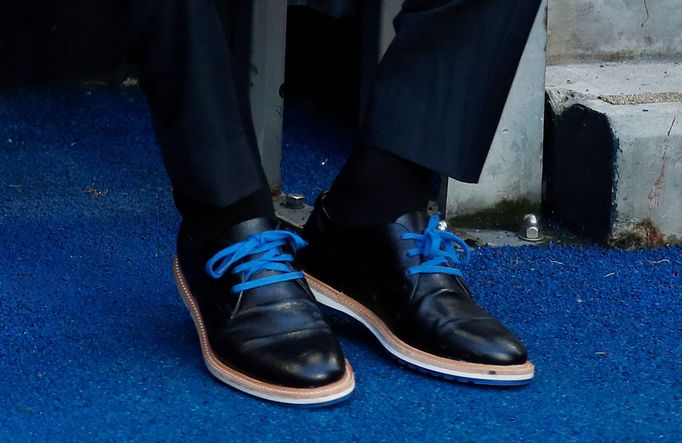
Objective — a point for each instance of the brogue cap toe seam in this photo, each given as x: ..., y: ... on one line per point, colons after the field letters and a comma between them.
x: 251, y: 342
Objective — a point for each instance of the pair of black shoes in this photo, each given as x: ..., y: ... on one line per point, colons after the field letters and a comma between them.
x: 261, y: 330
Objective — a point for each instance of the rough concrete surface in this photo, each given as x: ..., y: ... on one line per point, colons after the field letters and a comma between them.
x: 609, y: 79
x: 601, y: 30
x: 641, y: 99
x: 648, y: 163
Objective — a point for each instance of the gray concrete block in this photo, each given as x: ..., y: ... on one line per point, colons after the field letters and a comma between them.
x: 610, y: 30
x: 613, y: 155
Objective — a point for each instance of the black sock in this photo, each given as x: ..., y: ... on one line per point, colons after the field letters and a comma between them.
x: 375, y: 186
x: 208, y: 223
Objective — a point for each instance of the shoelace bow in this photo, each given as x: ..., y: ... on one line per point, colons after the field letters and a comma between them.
x: 267, y: 243
x: 436, y: 246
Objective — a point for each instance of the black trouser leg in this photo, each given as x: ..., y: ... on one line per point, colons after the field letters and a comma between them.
x: 440, y: 88
x: 198, y: 95
x: 188, y: 75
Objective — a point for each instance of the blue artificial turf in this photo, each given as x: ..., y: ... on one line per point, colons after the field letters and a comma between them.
x: 95, y: 342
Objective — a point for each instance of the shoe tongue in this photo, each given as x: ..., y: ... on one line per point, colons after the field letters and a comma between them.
x: 241, y: 231
x: 414, y: 221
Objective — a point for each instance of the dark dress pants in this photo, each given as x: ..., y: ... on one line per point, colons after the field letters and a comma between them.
x: 436, y: 99
x: 440, y: 89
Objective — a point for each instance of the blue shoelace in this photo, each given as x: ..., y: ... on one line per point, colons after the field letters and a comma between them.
x: 267, y: 243
x: 436, y: 246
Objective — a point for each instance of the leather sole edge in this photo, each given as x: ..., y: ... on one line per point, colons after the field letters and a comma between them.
x: 421, y: 360
x: 320, y: 396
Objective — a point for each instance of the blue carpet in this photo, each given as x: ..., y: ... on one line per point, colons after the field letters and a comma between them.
x: 95, y: 342
x: 314, y: 149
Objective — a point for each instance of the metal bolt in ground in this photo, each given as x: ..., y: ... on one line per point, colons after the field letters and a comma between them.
x: 530, y: 228
x: 294, y: 201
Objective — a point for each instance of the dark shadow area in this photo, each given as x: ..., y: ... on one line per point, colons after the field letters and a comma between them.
x: 323, y: 63
x: 321, y: 92
x: 578, y: 164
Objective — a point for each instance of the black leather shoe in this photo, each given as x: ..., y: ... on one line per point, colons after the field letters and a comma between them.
x: 259, y: 326
x: 402, y: 281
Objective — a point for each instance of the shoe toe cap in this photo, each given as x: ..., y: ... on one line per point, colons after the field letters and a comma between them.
x: 315, y: 367
x: 506, y: 350
x: 485, y: 341
x: 299, y: 362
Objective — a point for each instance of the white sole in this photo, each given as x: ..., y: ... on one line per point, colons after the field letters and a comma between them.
x: 320, y: 396
x: 424, y: 361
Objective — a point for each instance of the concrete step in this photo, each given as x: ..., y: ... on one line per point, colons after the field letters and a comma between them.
x: 613, y: 30
x: 613, y: 151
